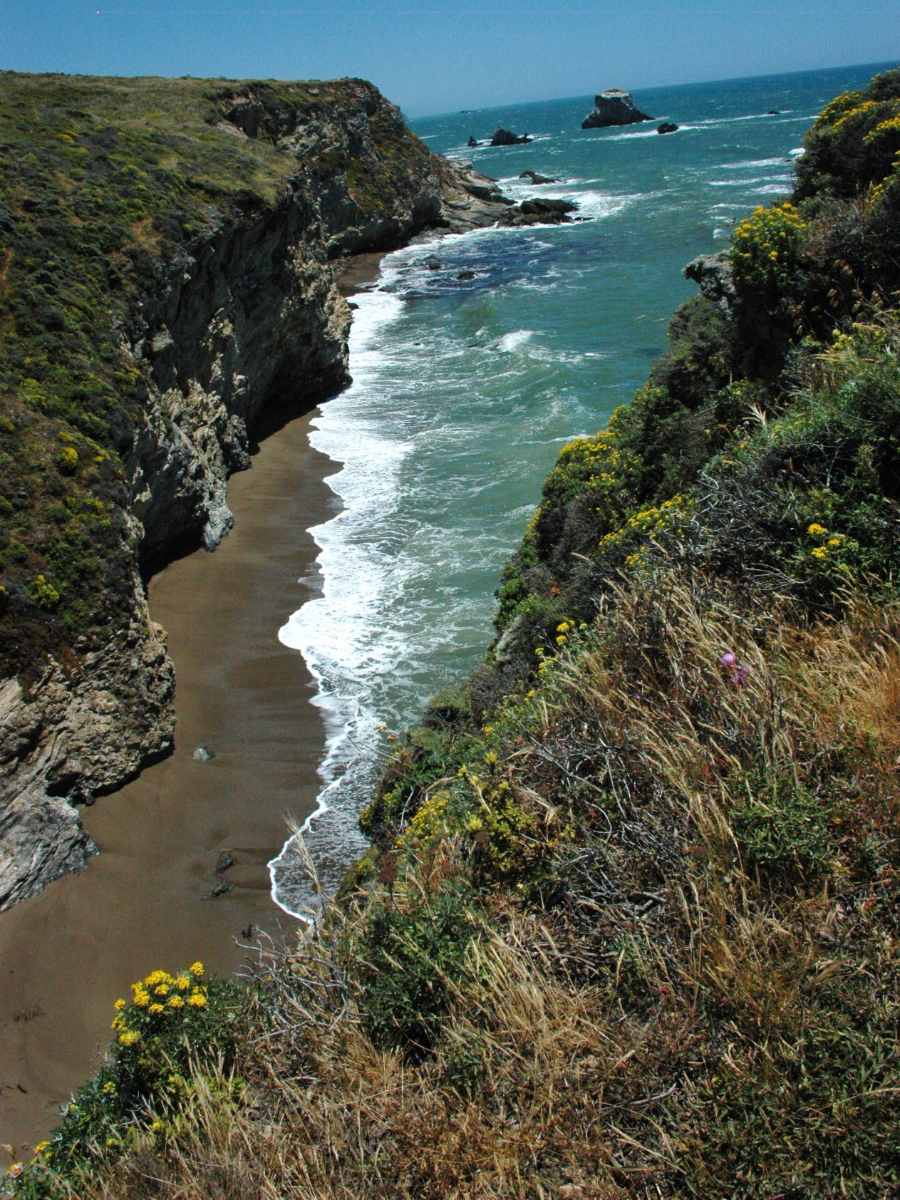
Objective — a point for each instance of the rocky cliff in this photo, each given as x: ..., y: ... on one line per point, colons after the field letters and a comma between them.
x: 165, y: 285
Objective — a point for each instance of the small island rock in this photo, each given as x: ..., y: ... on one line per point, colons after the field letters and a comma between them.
x: 667, y: 127
x: 613, y: 107
x: 505, y: 137
x: 472, y: 141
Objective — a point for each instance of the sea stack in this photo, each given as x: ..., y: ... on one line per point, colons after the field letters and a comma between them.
x: 613, y: 107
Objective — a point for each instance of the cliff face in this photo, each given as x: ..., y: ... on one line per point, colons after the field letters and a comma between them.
x: 150, y: 324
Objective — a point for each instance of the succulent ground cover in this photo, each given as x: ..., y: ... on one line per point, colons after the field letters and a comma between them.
x: 628, y: 926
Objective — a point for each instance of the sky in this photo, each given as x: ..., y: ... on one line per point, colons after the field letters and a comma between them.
x: 441, y: 56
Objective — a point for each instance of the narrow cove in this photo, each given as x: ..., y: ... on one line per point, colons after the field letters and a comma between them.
x: 145, y: 901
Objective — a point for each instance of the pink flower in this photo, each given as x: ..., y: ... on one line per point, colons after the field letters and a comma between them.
x: 737, y: 672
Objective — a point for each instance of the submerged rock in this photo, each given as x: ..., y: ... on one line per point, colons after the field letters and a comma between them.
x: 472, y: 142
x: 667, y: 127
x: 203, y: 754
x: 536, y: 178
x: 613, y: 107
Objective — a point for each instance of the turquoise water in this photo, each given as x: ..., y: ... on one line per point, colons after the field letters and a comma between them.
x: 464, y: 391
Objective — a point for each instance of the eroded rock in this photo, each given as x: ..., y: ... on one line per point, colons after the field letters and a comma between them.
x: 613, y: 107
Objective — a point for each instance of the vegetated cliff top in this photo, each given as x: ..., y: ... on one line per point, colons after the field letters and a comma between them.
x: 628, y: 927
x: 104, y: 183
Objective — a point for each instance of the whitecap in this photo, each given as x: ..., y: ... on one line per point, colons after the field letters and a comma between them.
x: 753, y: 162
x: 515, y: 340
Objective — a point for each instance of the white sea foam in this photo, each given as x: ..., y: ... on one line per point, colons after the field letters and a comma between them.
x: 332, y: 631
x: 774, y: 189
x: 747, y: 182
x: 511, y: 342
x: 751, y: 163
x: 625, y: 137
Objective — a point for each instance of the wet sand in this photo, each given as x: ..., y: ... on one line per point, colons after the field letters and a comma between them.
x: 145, y: 900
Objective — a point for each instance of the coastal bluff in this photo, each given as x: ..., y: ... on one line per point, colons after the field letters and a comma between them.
x: 613, y: 107
x: 167, y: 291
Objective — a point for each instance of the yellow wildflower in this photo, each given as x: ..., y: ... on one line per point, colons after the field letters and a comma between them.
x: 836, y: 540
x: 196, y: 968
x: 41, y: 1147
x: 118, y: 1023
x: 129, y: 1037
x: 155, y: 1008
x: 182, y: 982
x: 176, y: 1001
x: 120, y: 1004
x: 816, y: 530
x: 108, y: 1088
x: 162, y: 990
x: 819, y: 552
x: 197, y: 1000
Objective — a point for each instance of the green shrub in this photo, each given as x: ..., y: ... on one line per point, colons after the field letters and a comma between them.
x: 170, y: 1027
x: 783, y: 828
x: 409, y: 963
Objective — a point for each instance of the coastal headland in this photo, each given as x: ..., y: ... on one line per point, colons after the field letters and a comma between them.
x: 627, y: 920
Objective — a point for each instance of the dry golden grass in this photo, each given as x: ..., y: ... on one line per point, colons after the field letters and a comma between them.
x: 678, y: 1025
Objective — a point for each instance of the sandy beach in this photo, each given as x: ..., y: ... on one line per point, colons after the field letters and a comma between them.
x: 145, y: 900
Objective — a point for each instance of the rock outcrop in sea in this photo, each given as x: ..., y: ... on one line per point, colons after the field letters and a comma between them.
x: 505, y: 137
x: 613, y: 107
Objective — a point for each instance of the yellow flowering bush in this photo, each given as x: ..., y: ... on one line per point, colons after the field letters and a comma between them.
x: 170, y: 1022
x: 646, y: 524
x: 767, y: 248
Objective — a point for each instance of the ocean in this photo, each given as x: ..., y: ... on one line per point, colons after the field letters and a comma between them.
x: 464, y: 390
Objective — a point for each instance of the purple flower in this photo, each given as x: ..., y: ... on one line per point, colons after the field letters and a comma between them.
x: 740, y: 676
x: 728, y: 659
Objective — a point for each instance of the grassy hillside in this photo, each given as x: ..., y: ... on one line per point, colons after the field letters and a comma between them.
x: 103, y: 184
x: 628, y: 927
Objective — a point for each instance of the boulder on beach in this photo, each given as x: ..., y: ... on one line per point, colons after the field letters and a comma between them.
x: 667, y: 127
x: 536, y: 178
x: 613, y: 107
x: 505, y: 137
